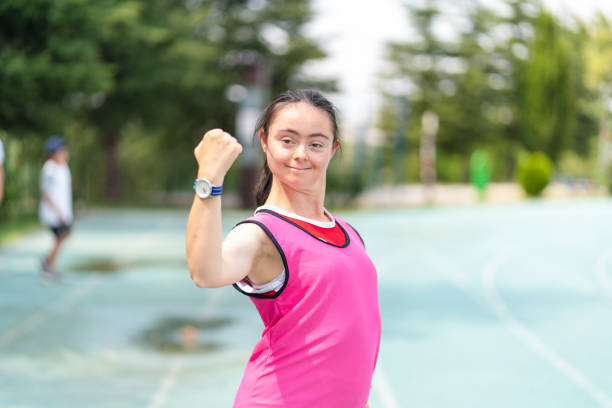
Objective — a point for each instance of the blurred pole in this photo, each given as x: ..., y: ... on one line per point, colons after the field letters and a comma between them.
x: 360, y: 160
x: 255, y: 80
x: 400, y: 138
x: 427, y: 153
x: 396, y: 145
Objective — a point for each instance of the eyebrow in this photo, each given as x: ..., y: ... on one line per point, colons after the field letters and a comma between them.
x: 295, y: 132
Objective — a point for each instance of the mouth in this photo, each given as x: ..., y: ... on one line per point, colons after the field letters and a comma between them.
x: 298, y: 169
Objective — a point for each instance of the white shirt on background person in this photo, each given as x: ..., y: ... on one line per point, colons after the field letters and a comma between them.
x: 56, y: 183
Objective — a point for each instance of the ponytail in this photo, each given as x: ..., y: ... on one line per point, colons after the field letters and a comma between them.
x: 262, y: 190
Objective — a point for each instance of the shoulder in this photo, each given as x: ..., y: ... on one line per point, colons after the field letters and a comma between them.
x: 247, y: 237
x: 247, y: 230
x: 49, y: 167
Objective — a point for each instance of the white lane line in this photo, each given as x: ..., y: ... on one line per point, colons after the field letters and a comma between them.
x: 168, y: 381
x: 602, y: 276
x: 383, y: 389
x: 530, y: 340
x: 35, y: 319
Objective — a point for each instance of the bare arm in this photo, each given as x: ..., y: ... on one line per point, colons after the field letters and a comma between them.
x: 211, y: 263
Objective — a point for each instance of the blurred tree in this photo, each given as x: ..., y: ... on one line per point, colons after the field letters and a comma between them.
x: 155, y: 70
x: 165, y: 76
x: 419, y: 60
x: 551, y: 102
x: 599, y: 55
x: 273, y: 30
x: 49, y: 63
x: 513, y: 78
x: 548, y: 88
x: 461, y: 81
x: 50, y: 67
x: 599, y: 68
x: 174, y: 62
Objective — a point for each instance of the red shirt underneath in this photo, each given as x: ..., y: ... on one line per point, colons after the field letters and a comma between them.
x: 334, y: 235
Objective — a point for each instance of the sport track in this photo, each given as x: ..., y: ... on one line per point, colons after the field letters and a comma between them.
x: 490, y: 305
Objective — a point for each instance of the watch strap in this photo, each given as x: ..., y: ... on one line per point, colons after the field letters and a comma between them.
x: 216, y: 190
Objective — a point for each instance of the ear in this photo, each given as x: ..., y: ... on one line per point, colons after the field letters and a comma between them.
x: 335, y: 147
x: 263, y: 140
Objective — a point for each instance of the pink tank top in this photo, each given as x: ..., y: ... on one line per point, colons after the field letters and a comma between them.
x: 322, y: 329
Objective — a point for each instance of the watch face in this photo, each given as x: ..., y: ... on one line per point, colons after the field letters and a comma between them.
x: 203, y: 188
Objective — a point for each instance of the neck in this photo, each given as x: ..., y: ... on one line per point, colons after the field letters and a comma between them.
x: 303, y: 203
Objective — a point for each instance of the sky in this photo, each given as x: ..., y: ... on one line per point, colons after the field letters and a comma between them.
x: 354, y: 32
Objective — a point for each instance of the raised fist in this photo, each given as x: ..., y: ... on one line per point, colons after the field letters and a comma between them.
x: 216, y: 153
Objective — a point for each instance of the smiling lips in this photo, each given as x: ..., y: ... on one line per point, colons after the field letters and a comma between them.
x: 298, y: 169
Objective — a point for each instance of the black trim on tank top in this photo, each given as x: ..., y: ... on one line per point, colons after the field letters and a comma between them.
x: 346, y: 235
x: 282, y: 254
x: 356, y: 232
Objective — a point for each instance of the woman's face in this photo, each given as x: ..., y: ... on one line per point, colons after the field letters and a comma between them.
x: 299, y: 145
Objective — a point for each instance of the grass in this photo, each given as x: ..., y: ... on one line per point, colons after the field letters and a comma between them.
x: 17, y: 225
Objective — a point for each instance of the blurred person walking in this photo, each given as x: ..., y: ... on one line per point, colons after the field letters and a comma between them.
x: 55, y: 210
x: 306, y: 271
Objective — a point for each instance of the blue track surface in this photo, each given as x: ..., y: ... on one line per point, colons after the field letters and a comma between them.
x: 504, y: 306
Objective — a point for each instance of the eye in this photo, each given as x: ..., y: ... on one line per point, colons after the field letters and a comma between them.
x: 286, y: 141
x: 317, y: 145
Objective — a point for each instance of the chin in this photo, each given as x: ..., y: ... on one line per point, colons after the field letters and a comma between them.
x: 297, y: 182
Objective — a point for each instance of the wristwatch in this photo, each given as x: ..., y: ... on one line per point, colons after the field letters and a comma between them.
x: 204, y: 188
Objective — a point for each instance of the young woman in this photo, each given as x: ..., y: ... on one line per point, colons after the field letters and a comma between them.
x: 306, y: 270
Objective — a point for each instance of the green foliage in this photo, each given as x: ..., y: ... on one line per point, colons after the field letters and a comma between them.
x: 549, y: 85
x: 49, y: 58
x: 16, y: 225
x: 507, y: 82
x: 534, y: 171
x: 21, y: 168
x: 133, y: 84
x: 608, y: 178
x: 451, y: 167
x: 348, y: 170
x: 86, y: 164
x: 572, y: 164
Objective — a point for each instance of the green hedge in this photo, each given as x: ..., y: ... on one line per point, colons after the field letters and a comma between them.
x: 534, y: 171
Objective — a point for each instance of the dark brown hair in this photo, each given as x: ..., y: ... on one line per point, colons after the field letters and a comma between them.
x: 312, y: 97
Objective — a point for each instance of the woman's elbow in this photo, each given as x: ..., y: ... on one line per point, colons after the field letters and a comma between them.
x: 201, y: 280
x: 198, y: 277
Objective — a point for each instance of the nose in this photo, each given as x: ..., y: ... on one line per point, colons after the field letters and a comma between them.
x: 300, y: 152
